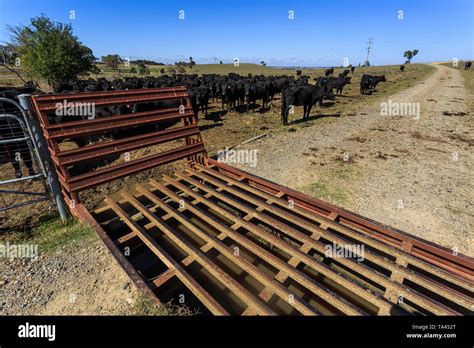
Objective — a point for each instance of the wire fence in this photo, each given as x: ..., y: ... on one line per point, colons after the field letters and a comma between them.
x: 22, y: 179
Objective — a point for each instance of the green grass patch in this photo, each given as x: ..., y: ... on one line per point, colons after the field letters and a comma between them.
x: 53, y: 234
x: 325, y: 191
x: 331, y: 184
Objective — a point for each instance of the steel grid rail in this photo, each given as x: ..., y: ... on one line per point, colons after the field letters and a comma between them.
x: 104, y: 126
x: 205, y: 216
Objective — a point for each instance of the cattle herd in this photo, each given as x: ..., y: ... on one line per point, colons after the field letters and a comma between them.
x: 233, y: 92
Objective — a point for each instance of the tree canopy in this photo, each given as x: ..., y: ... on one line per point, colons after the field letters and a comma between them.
x: 112, y: 60
x: 409, y: 55
x: 50, y: 51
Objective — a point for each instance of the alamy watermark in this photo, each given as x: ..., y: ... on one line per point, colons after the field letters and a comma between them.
x: 392, y: 108
x: 345, y: 251
x: 19, y: 251
x: 230, y: 156
x: 85, y: 110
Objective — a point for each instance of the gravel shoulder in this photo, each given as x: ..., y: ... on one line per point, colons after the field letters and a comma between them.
x: 413, y: 173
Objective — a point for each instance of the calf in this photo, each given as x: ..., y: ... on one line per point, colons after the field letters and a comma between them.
x: 467, y: 66
x: 301, y: 95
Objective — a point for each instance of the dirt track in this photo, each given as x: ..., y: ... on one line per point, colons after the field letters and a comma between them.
x: 413, y: 174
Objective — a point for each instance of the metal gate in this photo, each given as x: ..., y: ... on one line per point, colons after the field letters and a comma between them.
x: 22, y: 175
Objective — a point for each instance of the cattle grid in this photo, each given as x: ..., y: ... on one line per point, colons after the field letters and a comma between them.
x: 230, y: 243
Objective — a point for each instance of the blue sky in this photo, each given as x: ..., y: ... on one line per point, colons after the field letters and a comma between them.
x: 322, y: 33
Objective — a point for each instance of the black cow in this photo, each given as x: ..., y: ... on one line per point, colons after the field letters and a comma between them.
x: 467, y: 66
x: 256, y: 91
x: 240, y: 92
x: 402, y: 67
x: 369, y: 82
x: 199, y: 97
x: 345, y: 72
x: 280, y: 83
x: 328, y: 72
x: 301, y: 95
x: 228, y: 95
x: 298, y: 72
x: 352, y: 69
x: 338, y: 84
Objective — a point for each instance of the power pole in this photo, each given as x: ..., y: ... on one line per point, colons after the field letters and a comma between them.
x: 368, y: 51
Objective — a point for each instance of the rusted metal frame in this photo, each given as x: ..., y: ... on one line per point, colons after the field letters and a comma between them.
x: 163, y: 278
x: 460, y: 264
x: 326, y: 206
x: 62, y: 173
x: 257, y: 249
x: 190, y: 282
x: 42, y: 118
x: 101, y: 176
x: 101, y: 150
x: 120, y: 94
x: 360, y: 268
x: 107, y: 118
x: 244, y: 264
x: 451, y: 270
x: 83, y: 214
x: 320, y: 247
x: 114, y: 122
x: 109, y: 99
x: 393, y: 267
x: 282, y: 227
x: 342, y: 304
x: 294, y: 262
x: 245, y: 295
x: 416, y: 297
x: 200, y: 159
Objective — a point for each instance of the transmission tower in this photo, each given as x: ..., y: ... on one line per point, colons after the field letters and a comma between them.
x: 368, y: 51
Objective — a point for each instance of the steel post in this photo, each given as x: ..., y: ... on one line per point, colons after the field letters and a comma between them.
x: 45, y: 157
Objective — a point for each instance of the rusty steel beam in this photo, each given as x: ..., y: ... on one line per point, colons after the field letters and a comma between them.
x: 461, y: 265
x: 382, y: 280
x: 102, y: 150
x: 114, y: 122
x: 210, y: 302
x: 284, y: 227
x: 392, y: 266
x: 102, y: 176
x: 48, y: 103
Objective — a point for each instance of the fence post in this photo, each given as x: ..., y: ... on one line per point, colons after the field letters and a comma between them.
x: 39, y: 142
